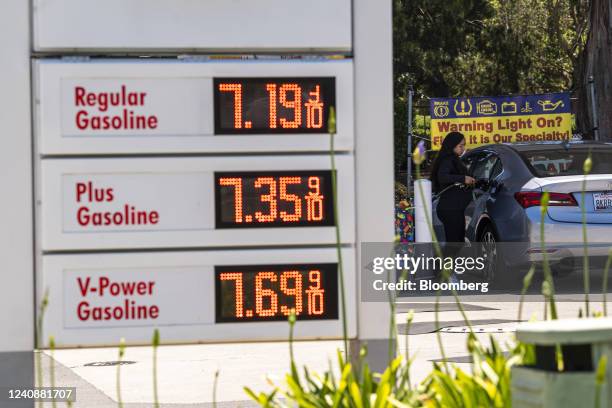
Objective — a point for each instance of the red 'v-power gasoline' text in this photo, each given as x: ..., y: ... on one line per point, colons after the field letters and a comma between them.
x: 128, y: 309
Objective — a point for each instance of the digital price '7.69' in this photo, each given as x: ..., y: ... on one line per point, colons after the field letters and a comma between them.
x: 272, y: 292
x: 273, y: 199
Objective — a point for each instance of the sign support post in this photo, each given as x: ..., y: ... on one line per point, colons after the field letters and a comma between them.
x: 16, y: 291
x: 374, y: 161
x: 409, y: 142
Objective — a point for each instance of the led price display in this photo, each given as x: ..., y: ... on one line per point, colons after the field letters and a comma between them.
x: 272, y: 105
x: 270, y: 292
x: 273, y: 199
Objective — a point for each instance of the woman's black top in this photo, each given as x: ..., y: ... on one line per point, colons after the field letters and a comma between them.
x: 451, y: 170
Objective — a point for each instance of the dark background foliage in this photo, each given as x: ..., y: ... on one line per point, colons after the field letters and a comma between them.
x: 499, y: 47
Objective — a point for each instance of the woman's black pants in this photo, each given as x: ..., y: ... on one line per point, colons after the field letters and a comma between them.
x: 454, y: 225
x: 454, y: 229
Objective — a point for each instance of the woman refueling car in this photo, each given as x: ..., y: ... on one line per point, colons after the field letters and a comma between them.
x: 449, y: 178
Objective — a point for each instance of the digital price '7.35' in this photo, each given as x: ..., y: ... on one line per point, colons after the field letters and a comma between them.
x: 273, y: 199
x: 272, y: 292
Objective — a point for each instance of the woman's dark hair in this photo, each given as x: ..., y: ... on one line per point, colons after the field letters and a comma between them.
x: 448, y: 144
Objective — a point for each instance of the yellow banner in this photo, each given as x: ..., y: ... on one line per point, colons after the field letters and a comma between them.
x: 504, y: 129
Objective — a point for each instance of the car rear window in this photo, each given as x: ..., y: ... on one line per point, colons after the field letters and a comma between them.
x: 562, y: 162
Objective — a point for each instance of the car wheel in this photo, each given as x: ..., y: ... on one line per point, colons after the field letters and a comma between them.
x: 488, y: 245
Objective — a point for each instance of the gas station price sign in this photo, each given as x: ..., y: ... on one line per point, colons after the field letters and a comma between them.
x: 273, y: 199
x: 272, y: 105
x: 270, y: 292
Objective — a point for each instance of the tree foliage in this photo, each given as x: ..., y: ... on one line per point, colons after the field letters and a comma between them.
x: 483, y: 47
x: 595, y: 63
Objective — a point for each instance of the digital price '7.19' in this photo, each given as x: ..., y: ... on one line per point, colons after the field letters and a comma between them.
x: 272, y: 105
x: 272, y: 292
x: 273, y: 199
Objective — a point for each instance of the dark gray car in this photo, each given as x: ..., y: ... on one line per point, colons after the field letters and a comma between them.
x: 511, y: 179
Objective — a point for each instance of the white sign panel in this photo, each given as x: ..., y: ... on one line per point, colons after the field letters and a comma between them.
x: 191, y: 202
x: 96, y: 299
x: 153, y: 25
x: 139, y: 107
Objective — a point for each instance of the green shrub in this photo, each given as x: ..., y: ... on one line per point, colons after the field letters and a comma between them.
x: 358, y: 388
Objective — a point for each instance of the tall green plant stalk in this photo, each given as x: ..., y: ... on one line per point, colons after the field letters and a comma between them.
x: 548, y: 289
x: 392, y: 324
x: 44, y: 303
x: 438, y: 251
x: 418, y: 158
x: 600, y: 378
x: 293, y: 367
x: 155, y: 346
x: 586, y: 168
x: 393, y: 334
x: 121, y: 354
x: 409, y: 318
x: 526, y: 284
x: 546, y: 265
x: 604, y: 288
x: 331, y: 128
x: 52, y: 366
x: 215, y: 383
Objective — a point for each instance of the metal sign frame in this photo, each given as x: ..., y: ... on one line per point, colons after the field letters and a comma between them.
x: 57, y: 269
x: 53, y: 204
x: 188, y: 26
x: 191, y: 99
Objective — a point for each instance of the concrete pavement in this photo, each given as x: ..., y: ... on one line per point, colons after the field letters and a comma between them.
x: 186, y: 373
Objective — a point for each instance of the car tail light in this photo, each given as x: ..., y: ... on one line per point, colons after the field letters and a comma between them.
x: 533, y: 198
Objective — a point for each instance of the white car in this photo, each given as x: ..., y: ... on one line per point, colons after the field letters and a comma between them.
x: 511, y: 179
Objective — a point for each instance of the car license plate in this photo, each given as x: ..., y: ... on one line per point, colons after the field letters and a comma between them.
x: 602, y: 201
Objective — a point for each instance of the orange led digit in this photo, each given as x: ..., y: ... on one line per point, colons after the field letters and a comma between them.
x: 295, y: 104
x: 297, y: 202
x: 267, y: 198
x: 237, y: 278
x: 295, y: 291
x: 261, y: 293
x: 315, y: 184
x: 314, y: 278
x: 314, y: 109
x: 315, y: 294
x: 237, y: 90
x: 314, y: 200
x: 236, y: 182
x: 271, y: 88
